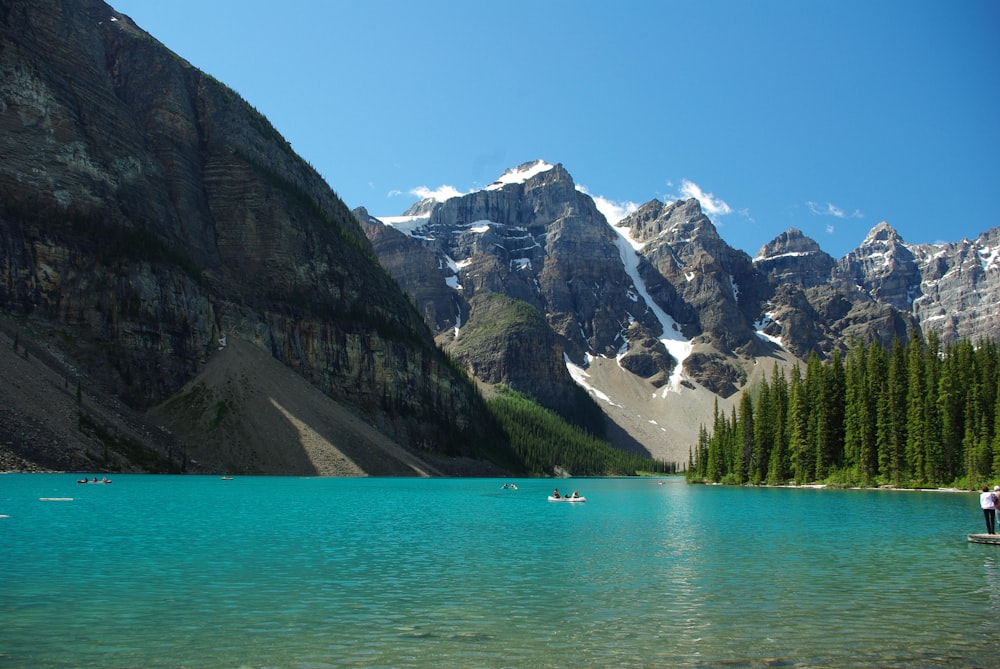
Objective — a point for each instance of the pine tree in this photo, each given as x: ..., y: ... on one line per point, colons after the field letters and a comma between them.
x: 779, y: 464
x: 934, y: 470
x: 834, y: 396
x: 762, y: 431
x: 801, y: 456
x: 818, y: 430
x: 854, y: 409
x: 893, y: 443
x: 914, y: 464
x: 745, y: 441
x: 950, y: 409
x: 716, y: 457
x: 877, y: 369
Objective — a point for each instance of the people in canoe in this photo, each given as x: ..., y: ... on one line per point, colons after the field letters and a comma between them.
x: 556, y: 495
x: 103, y: 480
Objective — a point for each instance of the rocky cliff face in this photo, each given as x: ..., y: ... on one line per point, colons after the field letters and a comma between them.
x: 711, y: 290
x: 530, y: 236
x: 817, y: 307
x: 885, y: 267
x: 146, y: 211
x: 951, y: 289
x: 793, y: 258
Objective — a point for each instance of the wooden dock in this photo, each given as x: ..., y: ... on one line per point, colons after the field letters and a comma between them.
x: 985, y: 539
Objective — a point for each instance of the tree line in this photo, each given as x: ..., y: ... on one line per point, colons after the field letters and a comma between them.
x: 545, y: 442
x: 909, y: 415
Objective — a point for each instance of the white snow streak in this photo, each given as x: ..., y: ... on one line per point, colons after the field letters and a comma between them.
x: 989, y: 257
x: 671, y: 338
x: 581, y: 377
x: 759, y: 326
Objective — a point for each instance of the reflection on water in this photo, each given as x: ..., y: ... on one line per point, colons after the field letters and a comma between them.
x: 171, y: 571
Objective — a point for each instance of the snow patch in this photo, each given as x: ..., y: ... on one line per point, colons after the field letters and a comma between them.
x: 480, y: 226
x: 790, y: 254
x: 990, y: 257
x: 406, y: 224
x: 759, y: 326
x: 520, y: 174
x: 581, y: 377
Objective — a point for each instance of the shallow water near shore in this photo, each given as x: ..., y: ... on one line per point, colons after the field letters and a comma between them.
x: 160, y: 571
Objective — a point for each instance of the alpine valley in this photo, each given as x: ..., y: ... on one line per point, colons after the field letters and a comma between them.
x: 180, y: 291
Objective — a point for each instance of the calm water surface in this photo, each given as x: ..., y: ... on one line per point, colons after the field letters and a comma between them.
x: 156, y: 571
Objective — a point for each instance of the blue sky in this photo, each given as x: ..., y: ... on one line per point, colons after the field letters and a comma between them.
x: 827, y: 116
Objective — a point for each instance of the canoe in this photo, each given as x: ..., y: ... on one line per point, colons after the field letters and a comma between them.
x: 567, y: 499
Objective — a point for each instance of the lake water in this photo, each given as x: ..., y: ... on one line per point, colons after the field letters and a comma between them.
x: 158, y: 571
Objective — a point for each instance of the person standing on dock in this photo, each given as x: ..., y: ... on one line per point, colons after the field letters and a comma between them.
x: 996, y: 503
x: 988, y: 501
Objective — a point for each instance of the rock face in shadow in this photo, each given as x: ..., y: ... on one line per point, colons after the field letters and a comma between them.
x: 147, y: 211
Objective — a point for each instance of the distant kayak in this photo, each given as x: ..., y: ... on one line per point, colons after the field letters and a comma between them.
x: 567, y: 499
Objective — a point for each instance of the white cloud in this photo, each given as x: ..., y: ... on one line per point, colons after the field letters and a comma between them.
x: 395, y: 192
x: 830, y: 229
x: 441, y: 193
x: 613, y: 211
x: 830, y: 209
x: 710, y: 204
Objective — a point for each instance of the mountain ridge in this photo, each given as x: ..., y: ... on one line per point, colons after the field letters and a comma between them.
x: 702, y: 315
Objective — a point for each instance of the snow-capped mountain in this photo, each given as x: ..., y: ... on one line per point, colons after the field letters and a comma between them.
x: 658, y: 300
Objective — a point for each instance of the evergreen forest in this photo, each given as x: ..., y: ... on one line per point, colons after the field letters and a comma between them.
x: 915, y: 415
x: 546, y: 443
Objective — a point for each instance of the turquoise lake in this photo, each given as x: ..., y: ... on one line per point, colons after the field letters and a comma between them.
x: 183, y: 571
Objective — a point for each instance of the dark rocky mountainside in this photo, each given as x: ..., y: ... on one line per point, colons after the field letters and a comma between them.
x: 148, y: 213
x: 166, y: 260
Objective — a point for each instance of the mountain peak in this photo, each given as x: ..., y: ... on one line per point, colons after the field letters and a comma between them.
x: 792, y: 241
x: 520, y: 174
x: 883, y: 233
x: 792, y: 257
x: 655, y: 218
